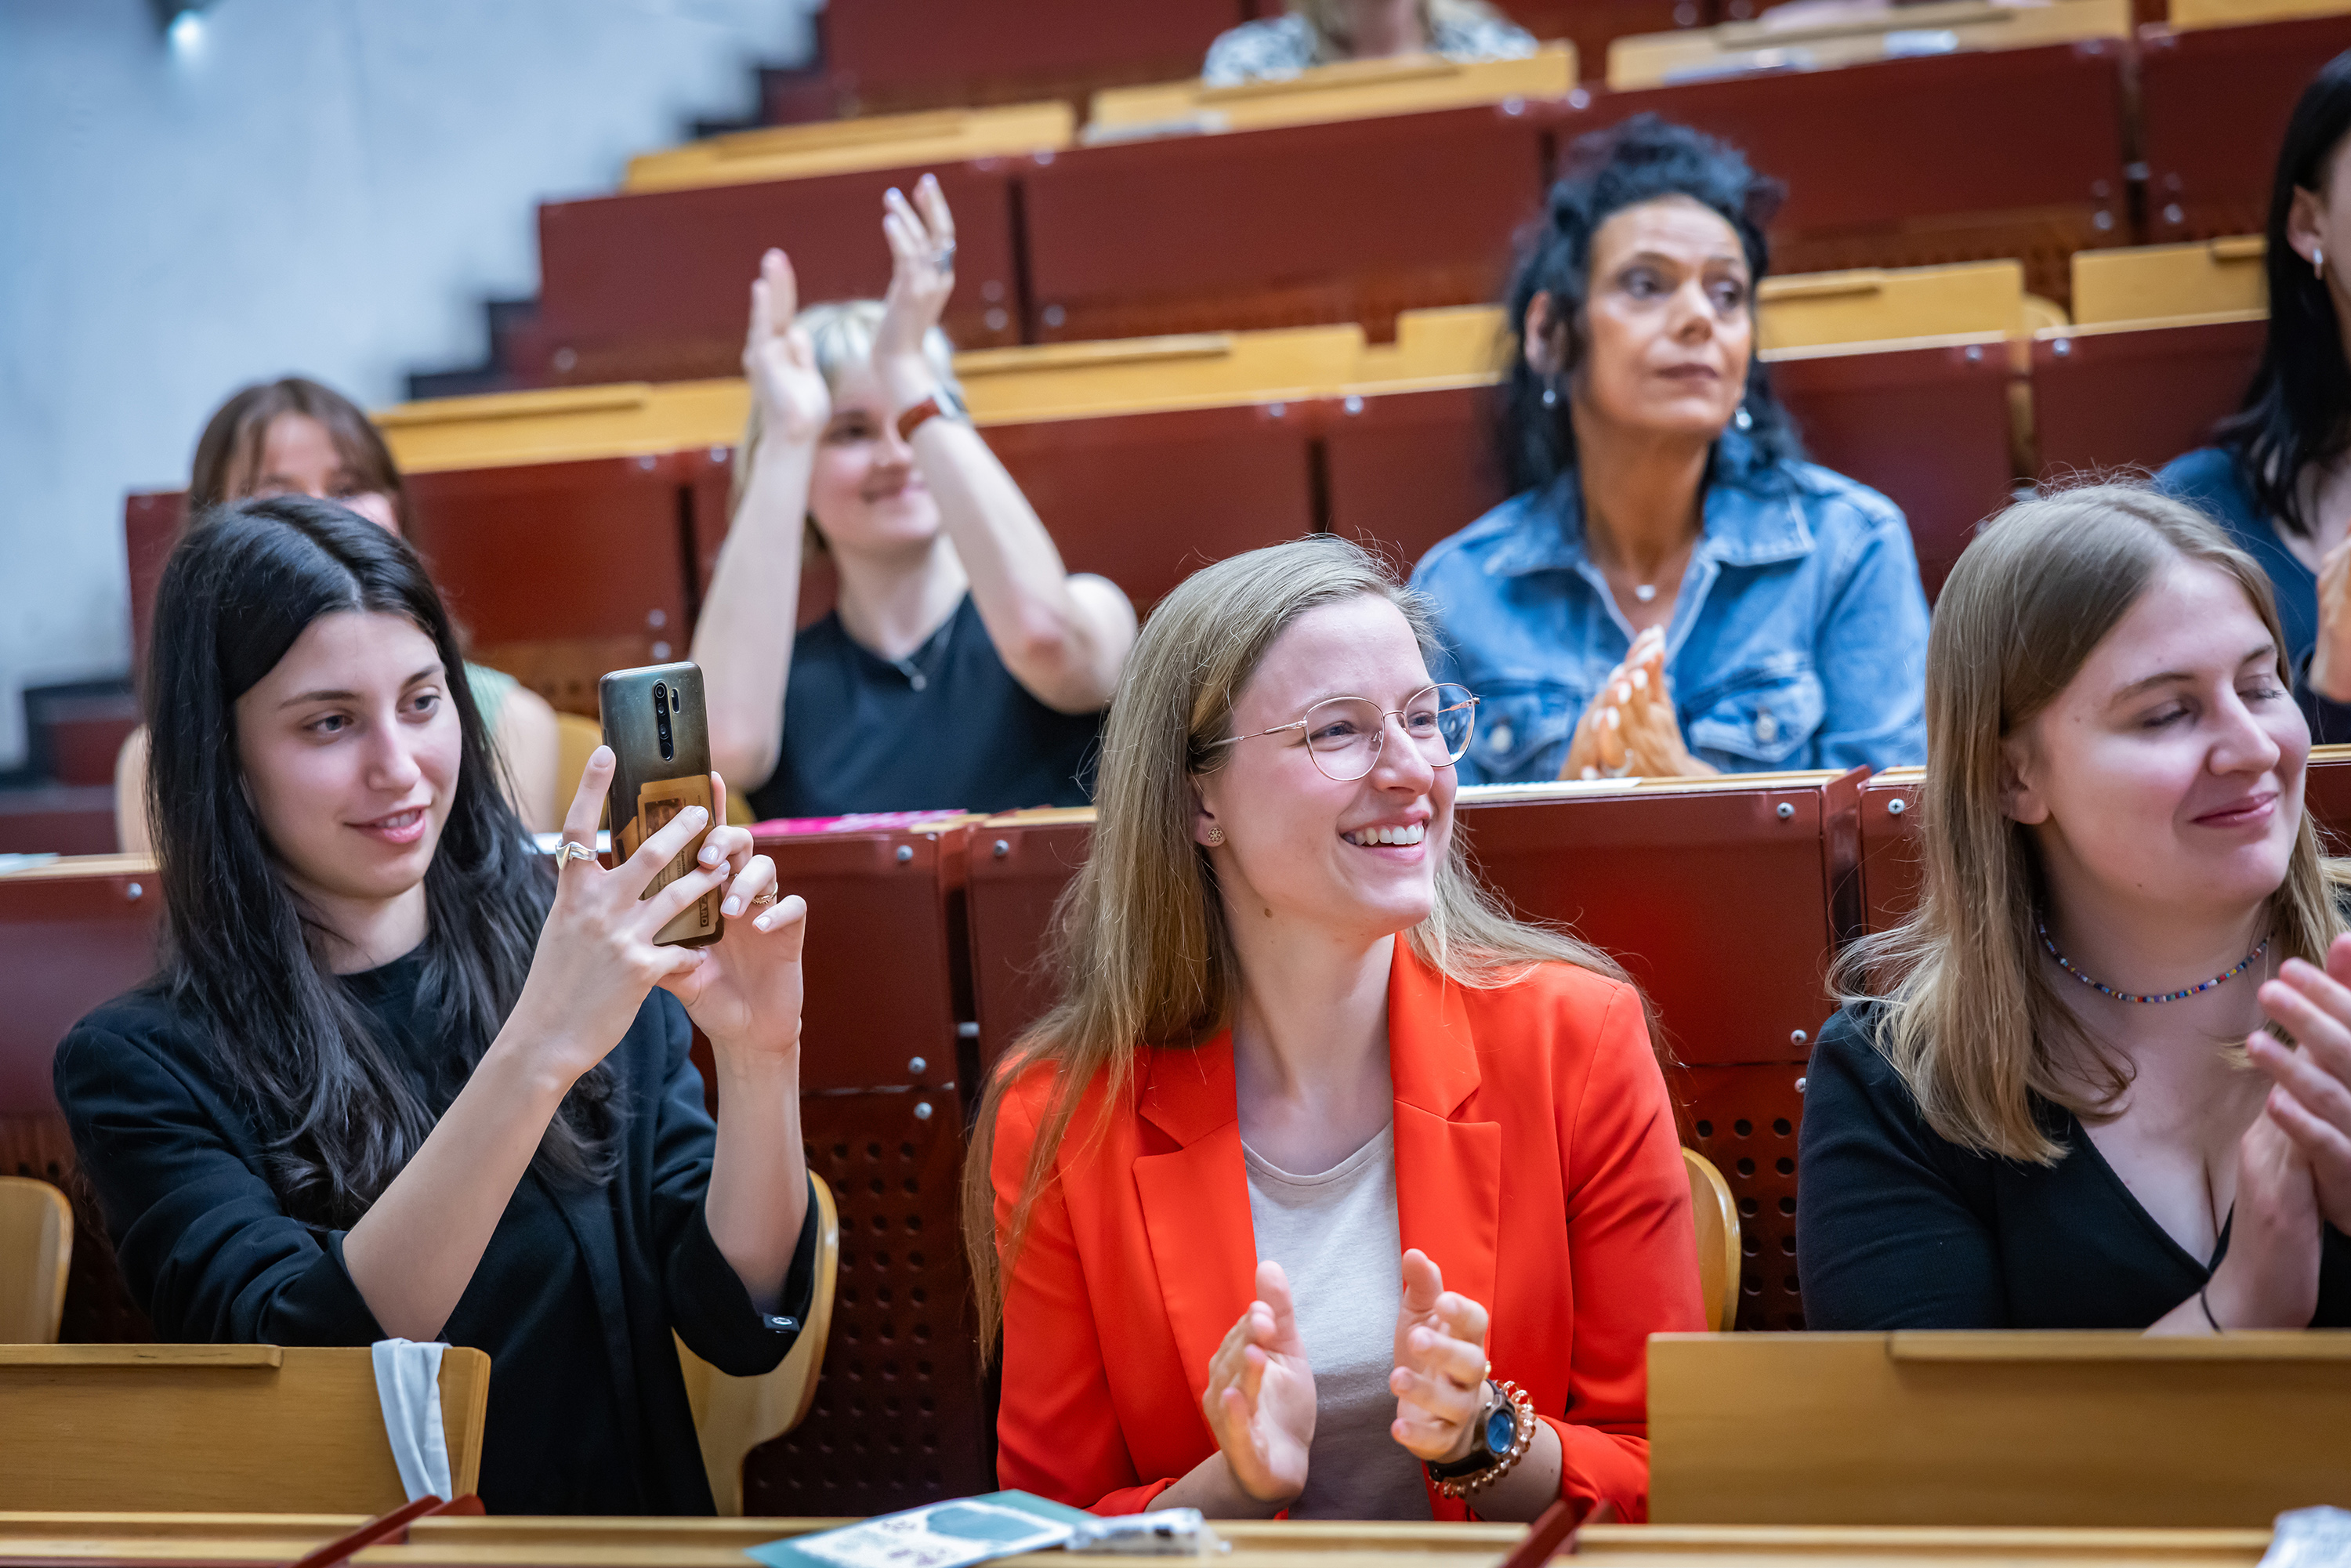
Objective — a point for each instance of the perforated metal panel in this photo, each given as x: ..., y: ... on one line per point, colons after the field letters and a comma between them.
x: 899, y: 1416
x: 1746, y: 1120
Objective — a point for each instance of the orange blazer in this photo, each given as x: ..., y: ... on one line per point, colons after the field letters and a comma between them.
x: 1536, y: 1162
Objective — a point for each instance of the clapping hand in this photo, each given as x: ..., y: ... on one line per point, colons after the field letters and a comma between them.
x: 1260, y: 1397
x: 778, y: 359
x: 2310, y: 1097
x: 744, y: 990
x: 1439, y: 1379
x: 921, y: 276
x: 1630, y: 729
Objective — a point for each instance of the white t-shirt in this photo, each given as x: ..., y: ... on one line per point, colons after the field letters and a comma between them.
x: 1335, y: 1235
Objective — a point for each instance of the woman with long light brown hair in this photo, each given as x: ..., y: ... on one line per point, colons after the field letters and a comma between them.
x: 1326, y: 1186
x: 2051, y: 1099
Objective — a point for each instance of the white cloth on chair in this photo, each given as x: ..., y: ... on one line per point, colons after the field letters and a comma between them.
x: 408, y: 1381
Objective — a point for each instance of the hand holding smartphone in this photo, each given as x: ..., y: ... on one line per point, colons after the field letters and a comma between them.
x: 653, y: 721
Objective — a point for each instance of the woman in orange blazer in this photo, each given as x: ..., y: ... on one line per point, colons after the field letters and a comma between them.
x: 1275, y: 962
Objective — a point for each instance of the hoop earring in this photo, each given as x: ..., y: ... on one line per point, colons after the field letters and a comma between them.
x: 1216, y: 833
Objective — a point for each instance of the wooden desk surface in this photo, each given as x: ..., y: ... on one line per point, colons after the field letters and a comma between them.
x: 218, y: 1540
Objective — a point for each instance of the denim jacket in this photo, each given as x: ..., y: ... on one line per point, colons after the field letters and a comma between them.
x: 1798, y: 639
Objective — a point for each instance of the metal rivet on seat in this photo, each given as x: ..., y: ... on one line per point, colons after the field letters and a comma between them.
x: 905, y: 853
x: 922, y: 1110
x: 1785, y: 810
x: 1003, y: 848
x: 1896, y: 806
x: 1797, y: 1038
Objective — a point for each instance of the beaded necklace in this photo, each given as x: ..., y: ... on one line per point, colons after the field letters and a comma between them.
x: 2224, y: 975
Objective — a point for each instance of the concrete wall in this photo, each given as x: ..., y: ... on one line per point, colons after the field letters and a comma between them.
x: 326, y: 186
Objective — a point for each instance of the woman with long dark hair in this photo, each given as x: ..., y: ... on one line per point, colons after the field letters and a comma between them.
x: 1673, y: 590
x: 398, y: 1076
x: 2275, y: 476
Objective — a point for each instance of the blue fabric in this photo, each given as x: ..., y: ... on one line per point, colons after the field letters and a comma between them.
x: 2209, y: 480
x: 1798, y: 639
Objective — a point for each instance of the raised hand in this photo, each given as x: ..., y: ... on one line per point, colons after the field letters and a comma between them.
x: 597, y: 959
x: 2310, y: 1099
x: 744, y: 989
x: 1260, y: 1397
x: 921, y: 276
x: 1439, y: 1379
x: 778, y: 359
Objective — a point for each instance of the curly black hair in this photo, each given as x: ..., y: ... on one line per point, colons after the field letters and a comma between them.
x: 1641, y: 160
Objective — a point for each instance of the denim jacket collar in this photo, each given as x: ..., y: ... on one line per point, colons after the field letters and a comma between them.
x: 1751, y: 517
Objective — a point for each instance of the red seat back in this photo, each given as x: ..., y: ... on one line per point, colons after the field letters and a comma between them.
x: 2105, y: 400
x: 2213, y: 103
x: 1347, y: 222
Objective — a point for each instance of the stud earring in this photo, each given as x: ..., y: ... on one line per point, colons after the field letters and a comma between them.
x: 1742, y: 419
x: 1550, y: 397
x: 1216, y: 834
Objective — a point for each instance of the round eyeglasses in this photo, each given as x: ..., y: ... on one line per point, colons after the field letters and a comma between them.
x: 1344, y: 735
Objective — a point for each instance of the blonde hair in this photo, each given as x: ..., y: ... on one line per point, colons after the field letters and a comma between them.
x: 1330, y: 21
x: 1139, y: 943
x: 841, y: 334
x: 1970, y: 1018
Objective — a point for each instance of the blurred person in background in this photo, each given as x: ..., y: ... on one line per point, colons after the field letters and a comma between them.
x: 1323, y: 32
x: 963, y: 666
x: 1674, y: 591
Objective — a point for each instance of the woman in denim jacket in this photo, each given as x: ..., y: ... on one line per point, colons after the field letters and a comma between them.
x: 1674, y: 591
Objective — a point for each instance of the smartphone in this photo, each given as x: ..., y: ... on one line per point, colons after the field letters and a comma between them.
x: 653, y: 721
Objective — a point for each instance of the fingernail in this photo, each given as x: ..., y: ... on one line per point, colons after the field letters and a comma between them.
x: 710, y: 855
x: 731, y: 908
x: 698, y: 813
x: 898, y: 192
x: 1589, y: 774
x: 765, y: 923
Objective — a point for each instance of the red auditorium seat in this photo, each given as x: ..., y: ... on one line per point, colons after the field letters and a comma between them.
x: 2213, y: 103
x: 2138, y: 399
x: 1406, y: 469
x: 1928, y: 427
x: 560, y: 571
x: 1725, y: 911
x: 2007, y: 152
x: 898, y: 1418
x: 68, y: 941
x: 1346, y: 222
x: 888, y: 55
x: 656, y: 286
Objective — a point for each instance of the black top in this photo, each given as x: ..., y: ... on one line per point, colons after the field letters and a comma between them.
x: 574, y: 1300
x: 946, y: 729
x: 1898, y: 1229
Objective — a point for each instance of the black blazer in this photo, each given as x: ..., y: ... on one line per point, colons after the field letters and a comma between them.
x: 575, y: 1298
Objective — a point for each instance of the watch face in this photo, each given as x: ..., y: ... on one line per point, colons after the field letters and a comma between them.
x: 1501, y: 1427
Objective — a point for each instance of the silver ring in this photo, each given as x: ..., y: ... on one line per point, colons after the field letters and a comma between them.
x: 943, y: 258
x: 567, y: 851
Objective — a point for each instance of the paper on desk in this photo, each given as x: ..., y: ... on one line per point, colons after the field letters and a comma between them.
x: 938, y: 1535
x: 2310, y: 1538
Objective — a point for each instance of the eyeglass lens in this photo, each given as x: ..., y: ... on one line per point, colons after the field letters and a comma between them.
x: 1344, y: 734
